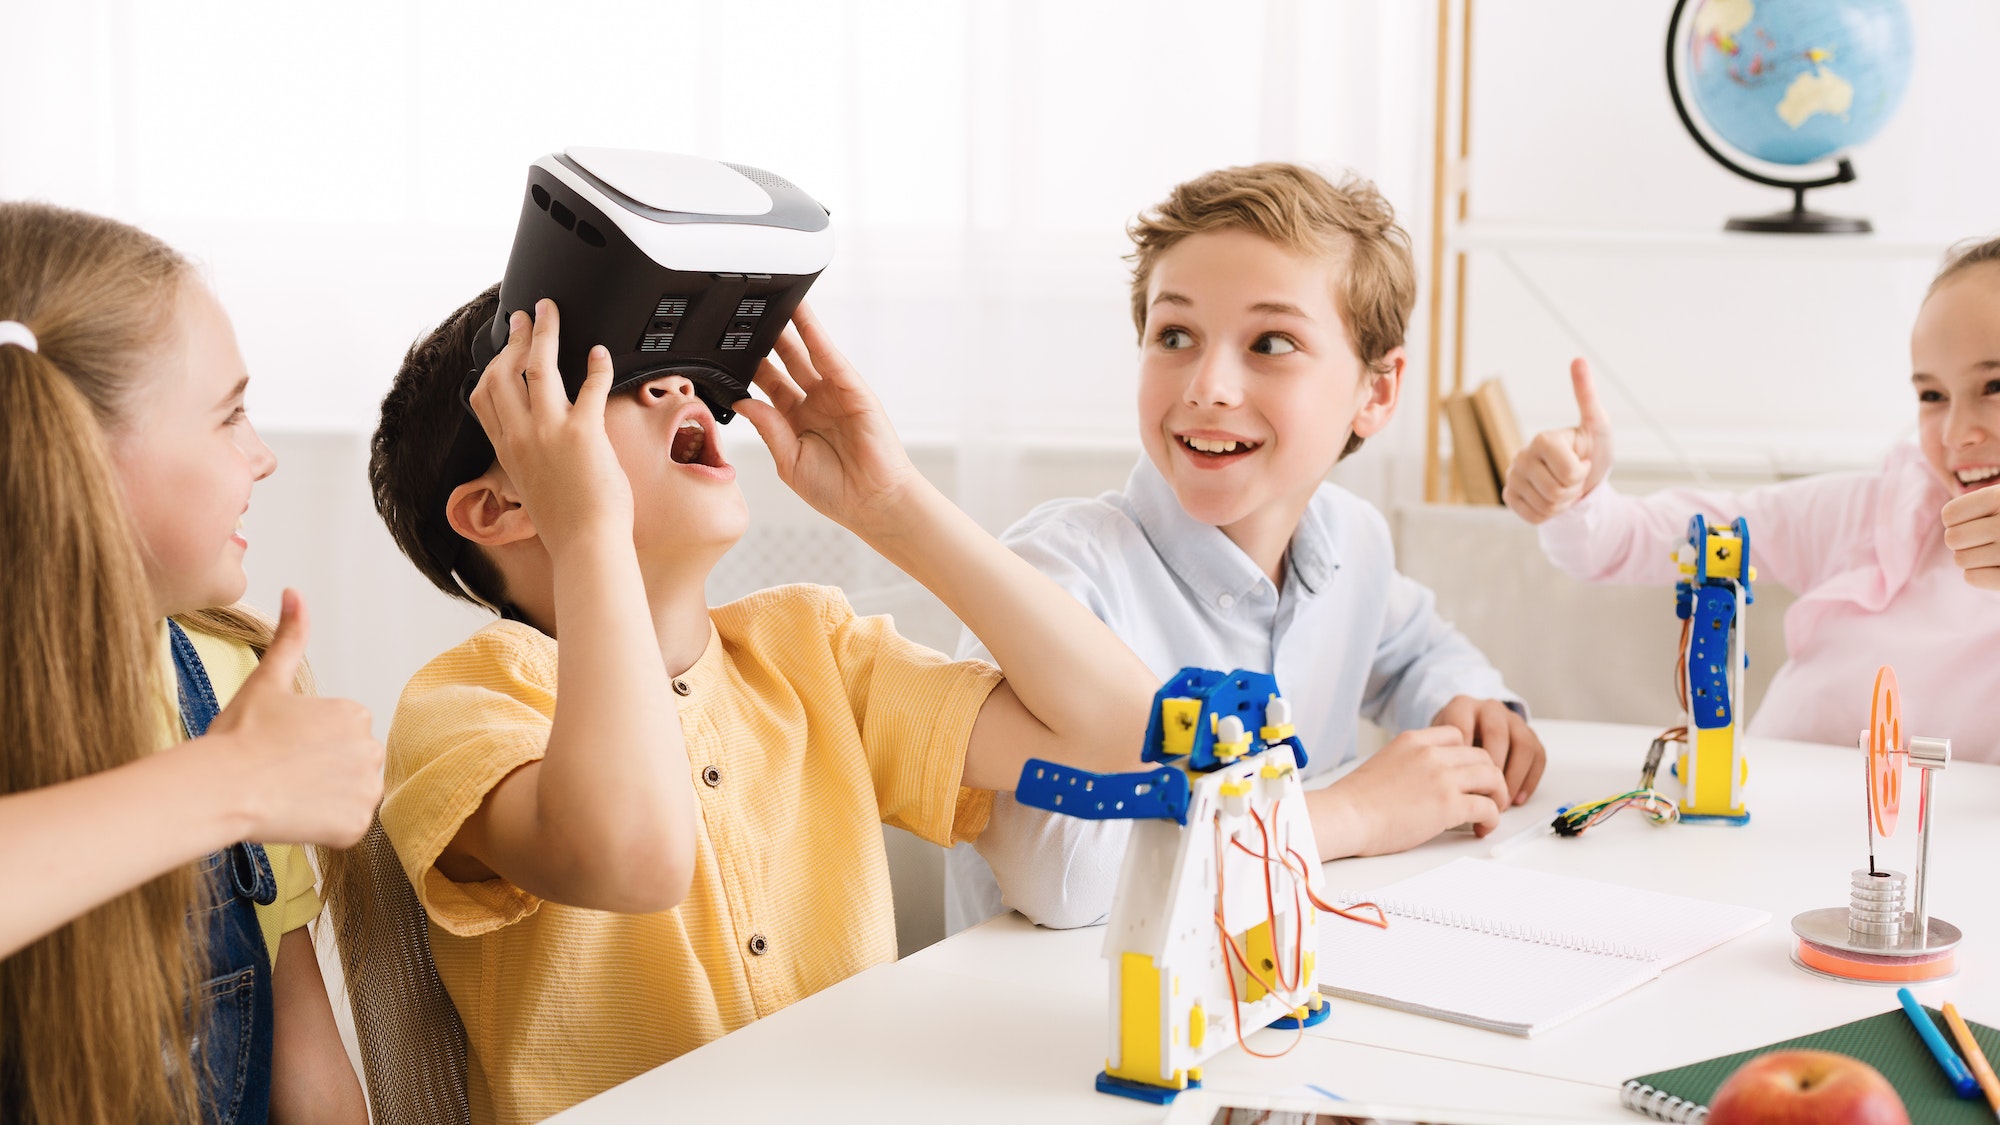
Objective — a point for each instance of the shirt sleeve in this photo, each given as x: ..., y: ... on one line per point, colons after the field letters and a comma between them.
x: 298, y: 899
x: 1058, y: 871
x: 297, y: 902
x: 1421, y: 663
x: 1801, y: 531
x: 915, y: 709
x: 468, y: 719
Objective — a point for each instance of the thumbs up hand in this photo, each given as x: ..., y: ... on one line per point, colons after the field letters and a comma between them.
x: 1560, y: 467
x: 310, y: 771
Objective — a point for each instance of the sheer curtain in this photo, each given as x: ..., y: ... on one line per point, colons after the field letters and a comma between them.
x: 349, y: 175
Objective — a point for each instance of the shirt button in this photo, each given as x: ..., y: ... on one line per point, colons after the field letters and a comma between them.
x: 758, y: 945
x: 712, y: 777
x: 681, y: 687
x: 1225, y: 601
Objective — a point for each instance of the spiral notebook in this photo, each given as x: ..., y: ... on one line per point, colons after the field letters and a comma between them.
x: 1512, y: 949
x: 1887, y: 1042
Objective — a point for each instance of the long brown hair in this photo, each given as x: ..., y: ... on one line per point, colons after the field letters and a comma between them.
x: 95, y: 1017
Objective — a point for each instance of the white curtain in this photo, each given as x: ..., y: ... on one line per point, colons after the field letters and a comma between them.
x: 349, y: 174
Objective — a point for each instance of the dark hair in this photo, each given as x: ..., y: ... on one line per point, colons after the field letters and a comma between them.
x: 411, y: 455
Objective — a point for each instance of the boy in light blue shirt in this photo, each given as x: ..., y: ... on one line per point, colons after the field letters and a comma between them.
x: 1271, y: 307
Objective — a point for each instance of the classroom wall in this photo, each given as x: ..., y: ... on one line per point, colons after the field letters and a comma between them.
x: 348, y: 178
x: 1771, y: 353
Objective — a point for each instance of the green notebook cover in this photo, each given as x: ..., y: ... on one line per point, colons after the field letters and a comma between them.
x: 1886, y: 1042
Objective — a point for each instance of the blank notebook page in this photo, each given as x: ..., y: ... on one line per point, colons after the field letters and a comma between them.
x: 1513, y: 949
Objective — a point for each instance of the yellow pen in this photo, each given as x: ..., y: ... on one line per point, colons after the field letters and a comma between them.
x: 1974, y: 1057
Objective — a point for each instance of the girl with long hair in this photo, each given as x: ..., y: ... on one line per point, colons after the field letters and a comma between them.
x: 154, y: 961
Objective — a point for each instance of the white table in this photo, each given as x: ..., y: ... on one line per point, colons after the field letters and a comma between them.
x: 1008, y: 1023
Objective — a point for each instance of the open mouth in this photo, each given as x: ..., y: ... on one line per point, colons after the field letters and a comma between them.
x: 1976, y: 477
x: 694, y: 443
x: 1216, y: 449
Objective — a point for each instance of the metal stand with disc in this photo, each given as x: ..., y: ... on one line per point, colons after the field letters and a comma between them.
x: 1873, y: 939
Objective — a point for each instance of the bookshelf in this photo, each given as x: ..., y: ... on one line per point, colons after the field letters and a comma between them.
x: 1533, y: 256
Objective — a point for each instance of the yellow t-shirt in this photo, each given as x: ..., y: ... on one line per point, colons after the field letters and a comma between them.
x: 807, y: 727
x: 228, y: 664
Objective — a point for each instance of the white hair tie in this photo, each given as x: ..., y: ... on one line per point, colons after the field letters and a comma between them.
x: 14, y: 332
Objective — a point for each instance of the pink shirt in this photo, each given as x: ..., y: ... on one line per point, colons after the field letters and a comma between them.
x: 1865, y: 552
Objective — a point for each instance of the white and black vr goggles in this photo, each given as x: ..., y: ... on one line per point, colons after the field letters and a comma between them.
x: 677, y: 264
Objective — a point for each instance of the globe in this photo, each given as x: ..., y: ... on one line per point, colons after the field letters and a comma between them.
x: 1790, y: 82
x: 1795, y: 81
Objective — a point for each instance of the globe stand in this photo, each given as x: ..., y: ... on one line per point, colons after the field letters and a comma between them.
x: 1799, y: 220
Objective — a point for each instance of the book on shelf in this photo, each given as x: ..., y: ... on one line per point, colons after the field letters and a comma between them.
x: 1485, y: 439
x: 1469, y: 459
x: 1497, y: 425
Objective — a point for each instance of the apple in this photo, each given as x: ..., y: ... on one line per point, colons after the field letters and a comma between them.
x: 1806, y: 1088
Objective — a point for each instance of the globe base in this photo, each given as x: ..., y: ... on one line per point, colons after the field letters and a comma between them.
x: 1800, y: 222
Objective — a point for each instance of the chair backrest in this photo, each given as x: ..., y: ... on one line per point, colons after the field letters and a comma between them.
x: 413, y: 1048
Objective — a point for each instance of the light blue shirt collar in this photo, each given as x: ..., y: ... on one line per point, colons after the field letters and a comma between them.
x: 1207, y: 561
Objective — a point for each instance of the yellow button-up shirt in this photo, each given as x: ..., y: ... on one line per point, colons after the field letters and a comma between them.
x: 807, y: 728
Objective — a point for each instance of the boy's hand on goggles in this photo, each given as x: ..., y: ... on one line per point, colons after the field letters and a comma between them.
x: 555, y: 451
x: 1560, y: 467
x: 1972, y: 531
x: 829, y: 437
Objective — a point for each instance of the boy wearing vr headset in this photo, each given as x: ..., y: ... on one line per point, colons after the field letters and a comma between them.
x: 689, y: 840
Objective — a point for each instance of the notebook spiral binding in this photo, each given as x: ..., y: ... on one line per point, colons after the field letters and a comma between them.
x: 1536, y: 934
x: 1660, y: 1105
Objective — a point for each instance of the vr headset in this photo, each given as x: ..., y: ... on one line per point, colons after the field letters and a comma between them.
x: 677, y: 264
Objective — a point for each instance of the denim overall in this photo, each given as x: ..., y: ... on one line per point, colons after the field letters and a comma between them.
x: 234, y: 1045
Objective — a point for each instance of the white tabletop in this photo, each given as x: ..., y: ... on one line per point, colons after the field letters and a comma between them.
x: 1007, y: 1022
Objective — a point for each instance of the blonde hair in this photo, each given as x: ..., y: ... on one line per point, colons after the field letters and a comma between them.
x: 1963, y: 257
x: 95, y: 1018
x: 1348, y: 223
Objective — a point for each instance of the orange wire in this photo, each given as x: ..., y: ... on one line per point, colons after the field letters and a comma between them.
x: 1231, y: 948
x: 1236, y: 1005
x: 1681, y: 668
x: 1271, y: 914
x: 1380, y: 921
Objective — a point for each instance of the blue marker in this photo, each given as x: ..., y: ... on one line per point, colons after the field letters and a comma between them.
x: 1954, y: 1067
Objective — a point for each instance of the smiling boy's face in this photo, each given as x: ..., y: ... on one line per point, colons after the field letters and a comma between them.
x: 1955, y: 360
x: 1248, y: 384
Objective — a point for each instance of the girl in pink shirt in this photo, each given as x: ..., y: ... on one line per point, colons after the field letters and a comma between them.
x: 1896, y: 567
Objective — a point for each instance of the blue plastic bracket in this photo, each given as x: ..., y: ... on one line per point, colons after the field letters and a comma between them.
x: 1139, y: 1091
x: 1708, y: 657
x: 1161, y: 793
x: 1240, y: 693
